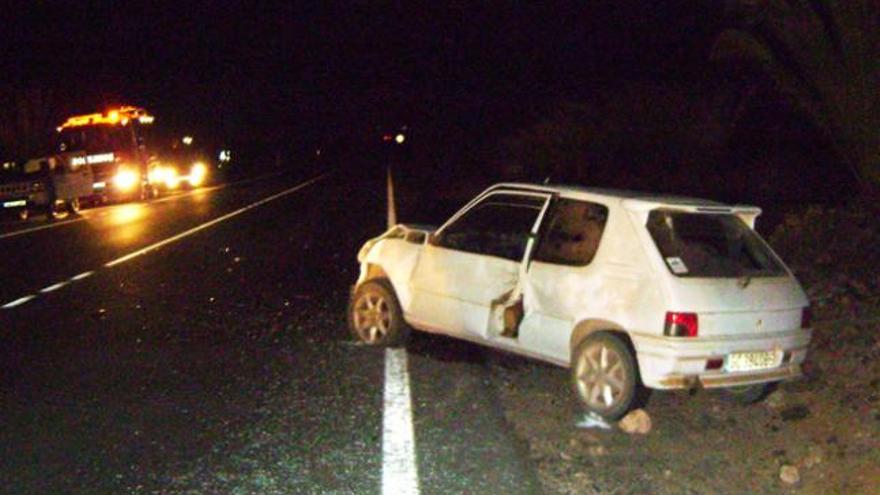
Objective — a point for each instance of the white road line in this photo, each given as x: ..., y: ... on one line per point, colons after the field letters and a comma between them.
x: 190, y: 193
x: 41, y: 227
x: 205, y: 225
x: 53, y: 287
x: 169, y: 240
x: 89, y: 213
x: 19, y: 301
x: 399, y: 473
x: 81, y: 276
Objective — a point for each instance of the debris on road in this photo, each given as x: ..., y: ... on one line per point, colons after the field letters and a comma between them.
x: 790, y: 475
x: 814, y: 457
x: 596, y: 450
x: 593, y: 420
x: 775, y: 400
x: 796, y: 412
x: 637, y: 422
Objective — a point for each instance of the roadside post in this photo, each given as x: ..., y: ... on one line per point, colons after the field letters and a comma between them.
x: 392, y: 206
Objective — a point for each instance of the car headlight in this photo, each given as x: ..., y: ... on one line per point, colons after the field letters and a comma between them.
x: 198, y: 173
x: 126, y: 179
x: 170, y: 177
x: 158, y: 174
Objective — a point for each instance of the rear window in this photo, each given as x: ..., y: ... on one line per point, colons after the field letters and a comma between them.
x: 710, y: 245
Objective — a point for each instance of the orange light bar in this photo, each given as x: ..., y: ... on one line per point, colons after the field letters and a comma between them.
x: 121, y: 115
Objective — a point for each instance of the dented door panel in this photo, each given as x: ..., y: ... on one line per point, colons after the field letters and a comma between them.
x: 452, y: 289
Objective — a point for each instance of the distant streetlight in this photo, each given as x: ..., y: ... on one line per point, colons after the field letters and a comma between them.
x: 400, y: 138
x: 187, y: 140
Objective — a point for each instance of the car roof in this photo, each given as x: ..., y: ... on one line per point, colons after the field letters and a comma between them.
x: 630, y: 198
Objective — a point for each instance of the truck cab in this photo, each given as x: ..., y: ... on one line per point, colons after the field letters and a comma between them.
x: 115, y: 145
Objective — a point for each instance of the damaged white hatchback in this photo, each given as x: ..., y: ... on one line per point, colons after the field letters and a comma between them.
x: 630, y: 291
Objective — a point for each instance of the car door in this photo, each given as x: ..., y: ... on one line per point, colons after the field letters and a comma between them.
x: 473, y: 262
x: 562, y: 280
x: 72, y: 179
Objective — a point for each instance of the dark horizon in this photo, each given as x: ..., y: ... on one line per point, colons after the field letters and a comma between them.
x: 291, y: 72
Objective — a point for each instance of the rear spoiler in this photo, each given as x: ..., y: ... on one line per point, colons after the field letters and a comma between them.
x: 746, y: 213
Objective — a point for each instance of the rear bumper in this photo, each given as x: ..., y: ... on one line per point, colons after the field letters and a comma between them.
x: 721, y: 380
x: 675, y: 363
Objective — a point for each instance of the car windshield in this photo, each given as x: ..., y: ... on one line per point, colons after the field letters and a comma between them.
x: 95, y: 138
x: 710, y: 245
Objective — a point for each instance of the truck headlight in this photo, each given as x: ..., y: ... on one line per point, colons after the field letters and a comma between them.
x: 197, y: 174
x: 170, y: 177
x: 126, y: 179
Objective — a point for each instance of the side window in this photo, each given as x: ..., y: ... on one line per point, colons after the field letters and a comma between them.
x: 573, y: 233
x: 497, y: 226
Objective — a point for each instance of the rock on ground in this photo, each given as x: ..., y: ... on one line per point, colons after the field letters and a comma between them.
x: 636, y: 422
x: 789, y: 475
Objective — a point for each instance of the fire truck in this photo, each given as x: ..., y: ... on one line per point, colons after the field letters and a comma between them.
x: 115, y: 146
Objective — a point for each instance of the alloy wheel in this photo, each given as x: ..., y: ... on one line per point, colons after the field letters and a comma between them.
x: 372, y: 317
x: 601, y: 376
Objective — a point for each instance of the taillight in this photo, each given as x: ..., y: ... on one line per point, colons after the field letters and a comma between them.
x: 681, y: 324
x: 806, y: 317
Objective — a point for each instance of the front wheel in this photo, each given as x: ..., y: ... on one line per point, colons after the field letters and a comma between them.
x: 148, y: 192
x: 374, y: 315
x: 73, y: 206
x: 605, y: 375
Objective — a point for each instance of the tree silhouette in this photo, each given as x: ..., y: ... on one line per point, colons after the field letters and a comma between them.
x: 822, y: 58
x: 27, y: 121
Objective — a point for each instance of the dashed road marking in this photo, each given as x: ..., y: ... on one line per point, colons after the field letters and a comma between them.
x: 81, y: 276
x: 175, y: 238
x: 18, y: 302
x: 41, y: 227
x: 54, y: 287
x: 92, y: 213
x: 399, y: 472
x: 157, y: 245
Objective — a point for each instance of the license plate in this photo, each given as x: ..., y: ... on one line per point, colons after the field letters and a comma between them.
x: 99, y: 185
x: 748, y: 361
x: 13, y: 204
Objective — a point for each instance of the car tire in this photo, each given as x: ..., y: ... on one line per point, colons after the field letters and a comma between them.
x: 749, y: 394
x: 605, y: 375
x: 57, y: 210
x: 374, y: 315
x: 73, y: 206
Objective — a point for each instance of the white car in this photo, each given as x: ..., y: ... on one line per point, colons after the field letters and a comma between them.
x: 630, y: 291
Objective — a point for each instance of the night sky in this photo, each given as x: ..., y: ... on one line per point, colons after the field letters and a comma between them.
x: 299, y: 72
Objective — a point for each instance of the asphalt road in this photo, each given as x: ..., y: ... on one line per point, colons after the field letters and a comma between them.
x: 219, y: 362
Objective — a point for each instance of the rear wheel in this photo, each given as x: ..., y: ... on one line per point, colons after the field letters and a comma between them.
x: 749, y: 394
x: 374, y: 315
x: 58, y: 210
x: 605, y: 375
x: 73, y: 206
